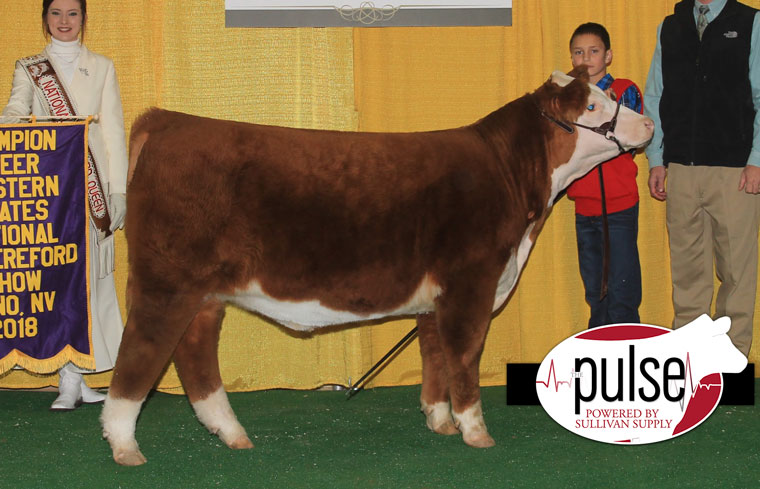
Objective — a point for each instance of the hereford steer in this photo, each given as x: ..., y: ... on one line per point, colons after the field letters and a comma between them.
x: 313, y: 228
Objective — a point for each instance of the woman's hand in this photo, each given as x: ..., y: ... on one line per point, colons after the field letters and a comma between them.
x: 118, y: 210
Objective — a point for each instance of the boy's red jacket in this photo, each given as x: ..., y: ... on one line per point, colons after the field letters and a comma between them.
x: 620, y: 188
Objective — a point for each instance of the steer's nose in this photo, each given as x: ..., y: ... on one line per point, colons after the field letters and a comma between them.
x: 649, y: 124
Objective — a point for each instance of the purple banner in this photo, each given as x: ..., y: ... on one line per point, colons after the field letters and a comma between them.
x: 44, y: 306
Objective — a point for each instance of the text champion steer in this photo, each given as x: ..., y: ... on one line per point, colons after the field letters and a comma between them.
x: 312, y: 228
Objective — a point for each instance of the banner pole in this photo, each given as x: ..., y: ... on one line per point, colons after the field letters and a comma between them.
x: 35, y: 118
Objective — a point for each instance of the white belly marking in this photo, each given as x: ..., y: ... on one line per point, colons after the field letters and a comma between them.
x: 311, y: 314
x: 514, y: 266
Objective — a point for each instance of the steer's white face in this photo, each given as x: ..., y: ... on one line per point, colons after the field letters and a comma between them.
x: 633, y: 130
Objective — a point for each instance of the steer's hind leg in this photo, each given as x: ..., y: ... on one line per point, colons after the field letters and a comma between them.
x: 463, y: 314
x: 434, y: 399
x: 197, y: 362
x: 155, y: 325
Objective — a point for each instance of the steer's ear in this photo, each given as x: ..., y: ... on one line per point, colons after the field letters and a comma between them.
x: 580, y: 73
x: 572, y: 100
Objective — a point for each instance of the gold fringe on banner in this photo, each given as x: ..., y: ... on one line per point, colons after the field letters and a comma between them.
x: 48, y: 365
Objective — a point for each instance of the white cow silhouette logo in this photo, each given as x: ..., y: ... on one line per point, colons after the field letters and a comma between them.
x: 708, y: 340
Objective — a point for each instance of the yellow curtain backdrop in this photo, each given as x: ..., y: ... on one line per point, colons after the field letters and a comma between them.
x: 177, y: 54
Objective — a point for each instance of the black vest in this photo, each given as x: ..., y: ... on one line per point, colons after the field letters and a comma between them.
x: 706, y: 107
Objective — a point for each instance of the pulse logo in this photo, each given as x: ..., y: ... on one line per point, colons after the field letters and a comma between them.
x: 636, y: 383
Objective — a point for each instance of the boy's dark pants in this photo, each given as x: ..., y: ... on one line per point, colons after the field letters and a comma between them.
x: 621, y: 304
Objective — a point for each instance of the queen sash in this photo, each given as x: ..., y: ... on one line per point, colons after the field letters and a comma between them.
x: 59, y: 104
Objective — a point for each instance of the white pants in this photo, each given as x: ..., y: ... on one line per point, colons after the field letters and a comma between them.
x: 107, y: 325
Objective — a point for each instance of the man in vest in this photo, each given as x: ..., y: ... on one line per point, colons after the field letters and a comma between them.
x: 703, y: 92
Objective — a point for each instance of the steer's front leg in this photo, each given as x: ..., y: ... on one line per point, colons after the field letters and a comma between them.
x: 434, y: 399
x: 463, y: 314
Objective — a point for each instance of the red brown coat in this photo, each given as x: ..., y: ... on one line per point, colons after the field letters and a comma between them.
x: 313, y: 228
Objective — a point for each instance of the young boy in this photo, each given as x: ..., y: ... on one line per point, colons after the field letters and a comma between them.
x: 590, y: 46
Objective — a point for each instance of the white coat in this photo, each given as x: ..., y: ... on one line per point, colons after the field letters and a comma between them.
x: 94, y: 89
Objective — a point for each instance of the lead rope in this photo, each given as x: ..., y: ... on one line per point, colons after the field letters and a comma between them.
x: 606, y: 234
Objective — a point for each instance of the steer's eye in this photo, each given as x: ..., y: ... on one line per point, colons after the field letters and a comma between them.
x: 590, y: 107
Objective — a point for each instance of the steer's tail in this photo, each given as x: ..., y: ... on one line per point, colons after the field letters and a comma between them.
x: 137, y: 138
x: 141, y: 129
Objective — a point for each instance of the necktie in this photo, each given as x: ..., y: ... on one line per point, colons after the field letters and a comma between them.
x: 702, y: 19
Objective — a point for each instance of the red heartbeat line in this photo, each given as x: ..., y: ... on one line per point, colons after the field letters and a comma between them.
x: 700, y: 385
x: 569, y: 383
x: 557, y: 383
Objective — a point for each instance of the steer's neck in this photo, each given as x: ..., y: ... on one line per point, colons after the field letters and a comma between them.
x: 518, y: 138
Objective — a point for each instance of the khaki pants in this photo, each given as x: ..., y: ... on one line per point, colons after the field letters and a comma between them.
x: 710, y: 221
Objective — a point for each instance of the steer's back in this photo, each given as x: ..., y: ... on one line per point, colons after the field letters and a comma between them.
x: 357, y: 221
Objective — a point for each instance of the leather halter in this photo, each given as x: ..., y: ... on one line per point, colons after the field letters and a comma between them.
x: 607, y: 129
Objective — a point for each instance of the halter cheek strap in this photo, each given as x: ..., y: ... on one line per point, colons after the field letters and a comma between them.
x: 563, y: 125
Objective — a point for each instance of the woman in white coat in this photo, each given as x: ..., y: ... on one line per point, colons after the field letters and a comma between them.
x: 90, y: 80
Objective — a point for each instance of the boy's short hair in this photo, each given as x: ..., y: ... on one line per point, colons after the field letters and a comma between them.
x: 595, y: 29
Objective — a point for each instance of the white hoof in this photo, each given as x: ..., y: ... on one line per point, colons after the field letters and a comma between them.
x: 474, y: 432
x: 118, y: 418
x: 217, y: 416
x: 129, y: 456
x: 438, y: 418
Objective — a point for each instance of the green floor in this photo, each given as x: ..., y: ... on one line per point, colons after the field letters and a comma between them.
x: 377, y: 439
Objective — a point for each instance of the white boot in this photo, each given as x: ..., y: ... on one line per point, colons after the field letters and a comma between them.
x: 90, y: 396
x: 72, y: 391
x: 69, y: 391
